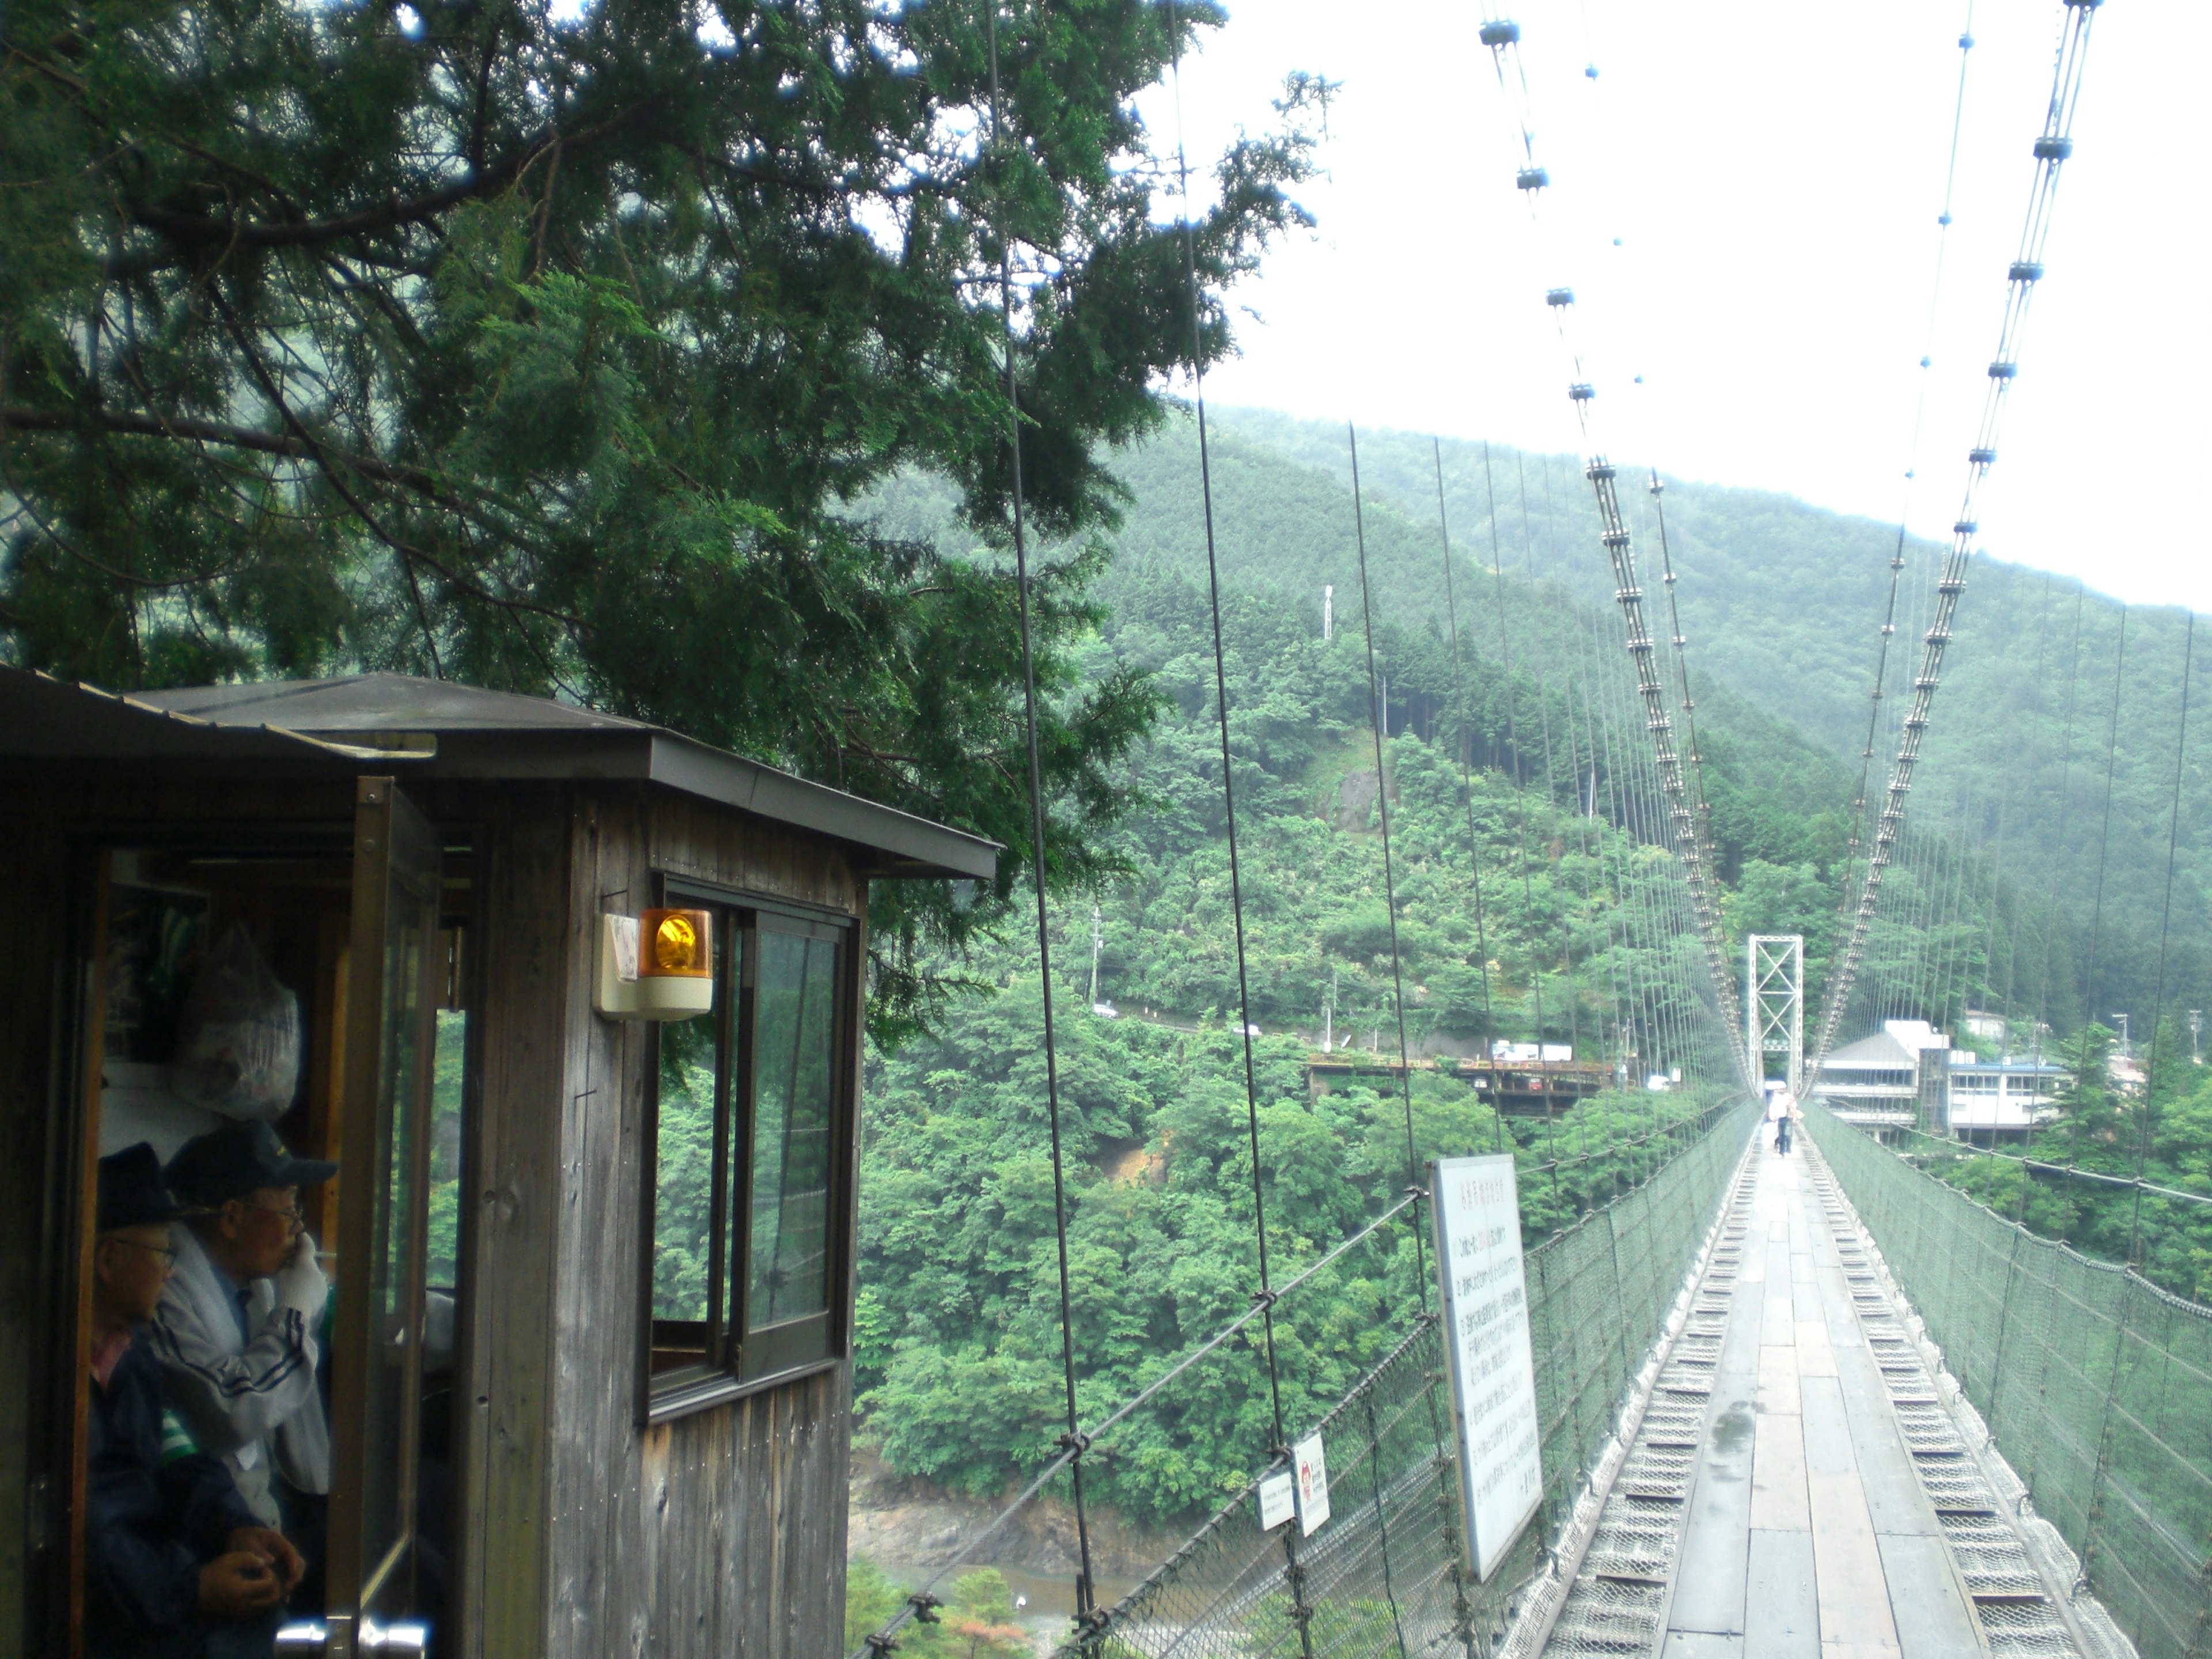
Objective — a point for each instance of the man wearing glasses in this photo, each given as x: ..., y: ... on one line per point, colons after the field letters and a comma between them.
x: 175, y: 1564
x: 238, y: 1327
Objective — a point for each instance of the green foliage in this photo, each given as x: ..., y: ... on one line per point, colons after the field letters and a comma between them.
x: 958, y: 1369
x: 871, y: 1598
x: 443, y: 1250
x: 2166, y: 1135
x: 976, y: 1622
x: 550, y: 352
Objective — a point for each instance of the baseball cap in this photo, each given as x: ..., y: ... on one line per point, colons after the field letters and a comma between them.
x: 237, y: 1159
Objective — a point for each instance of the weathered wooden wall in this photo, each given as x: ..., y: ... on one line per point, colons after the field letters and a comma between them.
x: 581, y: 1532
x: 721, y: 1533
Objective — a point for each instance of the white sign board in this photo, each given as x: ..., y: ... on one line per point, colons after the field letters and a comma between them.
x: 1312, y: 1471
x: 1279, y: 1500
x: 1477, y: 1206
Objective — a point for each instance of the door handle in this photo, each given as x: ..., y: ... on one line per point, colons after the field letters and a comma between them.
x: 309, y: 1638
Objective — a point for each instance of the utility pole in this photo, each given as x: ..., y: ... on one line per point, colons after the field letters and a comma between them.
x: 2196, y: 1036
x: 1097, y: 939
x: 1328, y: 613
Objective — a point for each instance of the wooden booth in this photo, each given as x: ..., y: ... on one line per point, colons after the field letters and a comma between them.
x: 575, y: 1002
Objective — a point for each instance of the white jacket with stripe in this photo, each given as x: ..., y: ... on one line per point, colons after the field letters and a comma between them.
x: 254, y: 1403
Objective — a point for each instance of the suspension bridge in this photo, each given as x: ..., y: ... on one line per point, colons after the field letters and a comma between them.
x: 1819, y: 1402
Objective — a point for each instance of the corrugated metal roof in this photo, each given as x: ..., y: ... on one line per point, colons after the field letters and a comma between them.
x: 1880, y: 1052
x: 368, y: 702
x: 436, y: 728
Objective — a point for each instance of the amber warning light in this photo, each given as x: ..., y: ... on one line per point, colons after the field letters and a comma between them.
x: 658, y: 966
x: 678, y: 945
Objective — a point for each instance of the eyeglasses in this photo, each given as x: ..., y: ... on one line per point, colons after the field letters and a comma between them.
x: 291, y: 1213
x: 168, y: 1256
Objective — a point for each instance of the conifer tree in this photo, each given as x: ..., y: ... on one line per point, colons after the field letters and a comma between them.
x: 557, y: 352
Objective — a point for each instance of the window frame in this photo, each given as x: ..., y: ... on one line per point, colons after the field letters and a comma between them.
x: 728, y: 1370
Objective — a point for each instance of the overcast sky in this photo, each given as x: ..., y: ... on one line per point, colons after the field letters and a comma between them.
x: 1773, y: 170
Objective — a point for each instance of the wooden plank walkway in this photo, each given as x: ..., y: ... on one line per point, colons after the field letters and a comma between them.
x: 1808, y: 1535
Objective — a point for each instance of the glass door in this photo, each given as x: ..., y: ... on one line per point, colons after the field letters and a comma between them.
x: 396, y: 984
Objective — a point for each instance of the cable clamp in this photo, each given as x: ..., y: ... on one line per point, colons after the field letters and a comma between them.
x: 1264, y: 1298
x: 1075, y: 1441
x: 877, y: 1642
x: 1414, y: 1192
x: 924, y: 1606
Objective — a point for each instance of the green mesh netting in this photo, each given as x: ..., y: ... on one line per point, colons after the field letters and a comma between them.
x: 1383, y: 1575
x: 2096, y: 1384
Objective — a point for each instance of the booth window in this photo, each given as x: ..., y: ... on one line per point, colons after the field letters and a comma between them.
x: 750, y: 1110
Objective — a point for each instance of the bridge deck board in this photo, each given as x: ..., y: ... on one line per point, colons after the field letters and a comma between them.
x: 1807, y: 1532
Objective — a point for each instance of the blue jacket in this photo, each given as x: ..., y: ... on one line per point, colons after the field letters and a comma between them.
x: 153, y: 1518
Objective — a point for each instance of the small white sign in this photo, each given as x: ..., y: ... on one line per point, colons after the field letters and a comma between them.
x: 622, y: 939
x: 1279, y: 1500
x: 1312, y: 1470
x: 1477, y: 1206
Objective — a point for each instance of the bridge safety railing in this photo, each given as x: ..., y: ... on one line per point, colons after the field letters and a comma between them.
x: 1383, y: 1575
x: 1572, y: 1174
x: 2095, y: 1383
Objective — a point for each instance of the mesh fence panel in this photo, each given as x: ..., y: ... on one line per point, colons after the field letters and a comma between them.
x: 2096, y: 1384
x: 1384, y: 1574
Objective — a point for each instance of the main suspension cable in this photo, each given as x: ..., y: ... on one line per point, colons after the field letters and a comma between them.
x: 2051, y: 147
x: 1689, y: 838
x: 1943, y: 222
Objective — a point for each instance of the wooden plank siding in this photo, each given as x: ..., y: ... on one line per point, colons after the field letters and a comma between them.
x: 38, y: 973
x: 506, y: 1364
x: 719, y: 1532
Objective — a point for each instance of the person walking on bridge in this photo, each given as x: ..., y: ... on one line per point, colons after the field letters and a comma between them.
x: 1780, y: 1109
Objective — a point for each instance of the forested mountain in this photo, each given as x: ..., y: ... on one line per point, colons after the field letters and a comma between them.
x: 1782, y: 602
x: 1531, y: 901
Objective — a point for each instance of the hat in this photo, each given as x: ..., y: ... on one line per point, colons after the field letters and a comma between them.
x: 130, y: 1190
x: 238, y: 1159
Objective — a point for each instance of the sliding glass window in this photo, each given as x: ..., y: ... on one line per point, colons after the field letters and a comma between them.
x: 751, y: 1181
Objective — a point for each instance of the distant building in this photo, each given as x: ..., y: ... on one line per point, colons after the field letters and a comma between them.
x: 1908, y: 1075
x: 1877, y: 1081
x: 1981, y: 1026
x: 1988, y: 1098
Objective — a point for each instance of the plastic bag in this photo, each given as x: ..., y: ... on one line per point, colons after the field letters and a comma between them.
x: 238, y: 1042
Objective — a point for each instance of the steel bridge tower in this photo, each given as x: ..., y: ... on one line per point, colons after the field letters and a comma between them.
x: 1774, y: 1005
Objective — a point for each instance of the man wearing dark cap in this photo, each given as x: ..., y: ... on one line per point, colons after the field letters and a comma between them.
x: 177, y: 1566
x: 238, y: 1324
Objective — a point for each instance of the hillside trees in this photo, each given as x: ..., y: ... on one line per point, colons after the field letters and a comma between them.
x: 550, y: 354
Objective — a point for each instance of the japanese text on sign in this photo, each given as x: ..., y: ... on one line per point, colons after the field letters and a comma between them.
x: 1486, y: 1312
